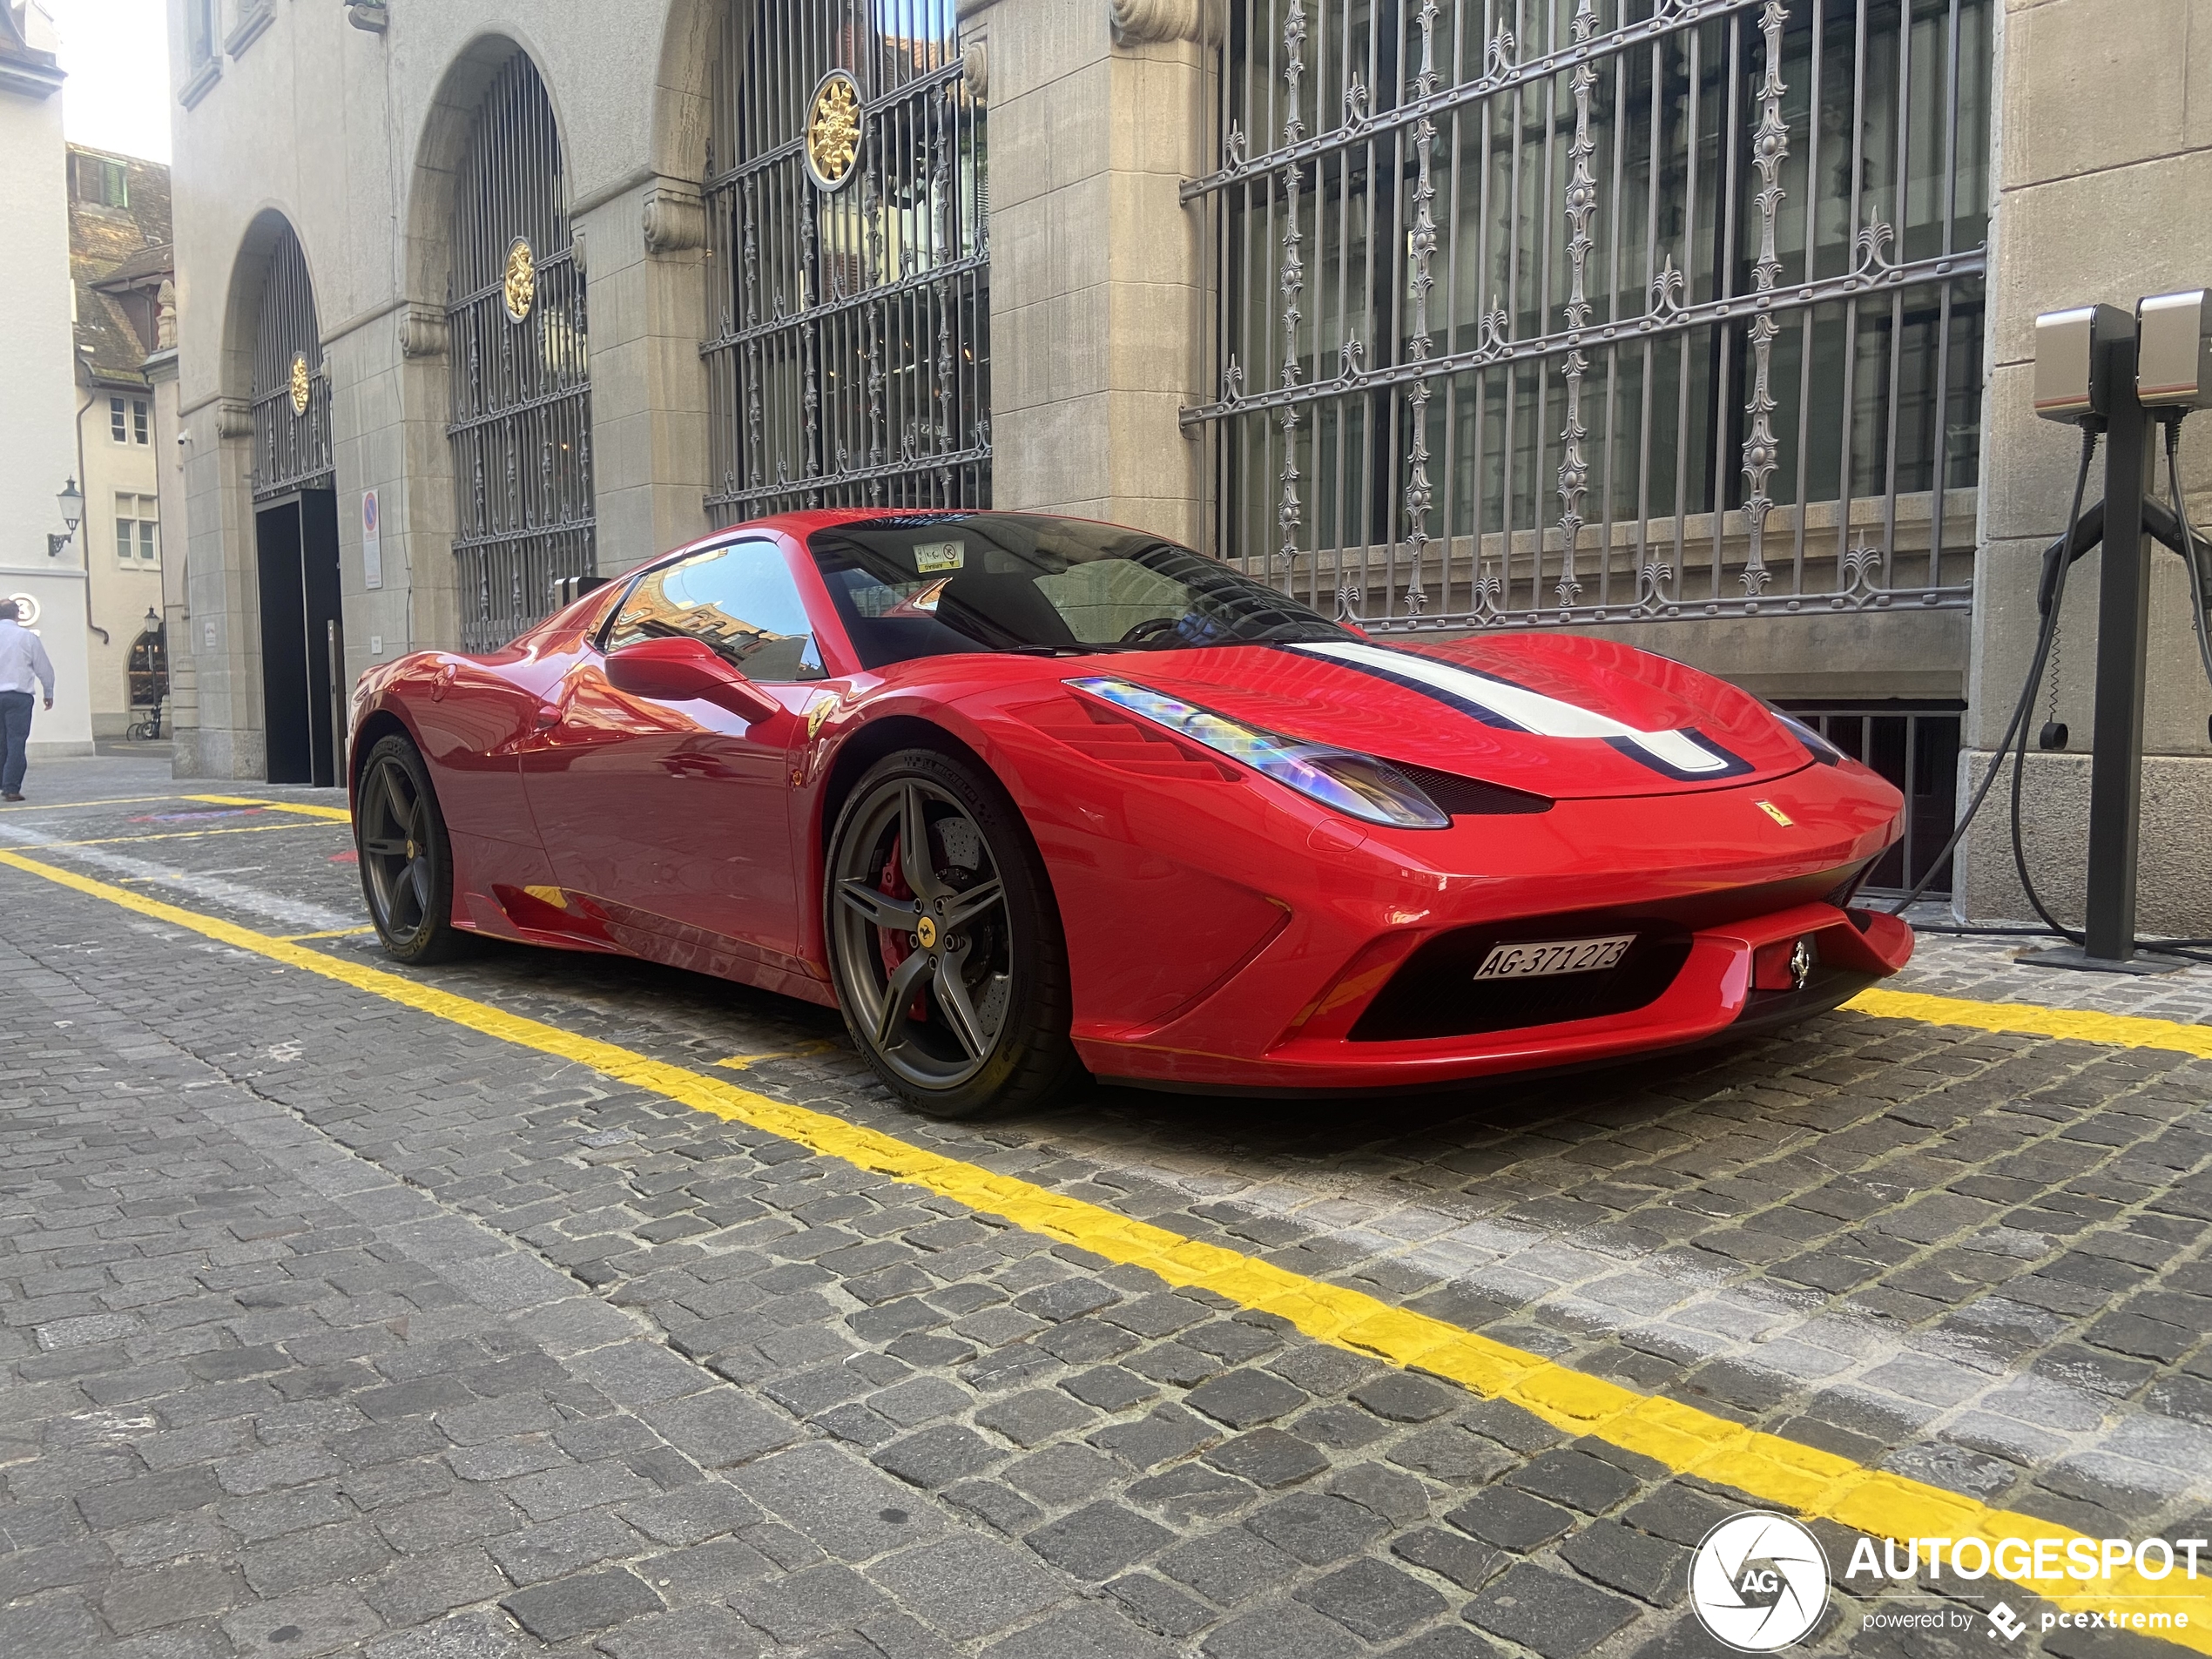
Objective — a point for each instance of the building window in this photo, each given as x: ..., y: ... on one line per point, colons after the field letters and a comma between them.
x: 116, y: 422
x: 138, y: 529
x: 140, y: 414
x: 199, y: 29
x: 102, y: 181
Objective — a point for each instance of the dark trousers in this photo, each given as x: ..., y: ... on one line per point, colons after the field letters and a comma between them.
x: 15, y: 739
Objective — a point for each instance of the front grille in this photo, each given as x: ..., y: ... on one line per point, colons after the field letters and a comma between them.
x: 1848, y: 888
x: 1435, y: 994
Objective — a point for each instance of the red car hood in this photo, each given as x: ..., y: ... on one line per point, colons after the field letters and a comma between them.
x: 1558, y: 715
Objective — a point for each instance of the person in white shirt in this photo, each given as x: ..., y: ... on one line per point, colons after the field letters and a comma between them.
x: 23, y: 659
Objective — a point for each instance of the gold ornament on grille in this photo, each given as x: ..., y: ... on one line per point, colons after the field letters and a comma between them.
x: 521, y: 280
x: 302, y: 383
x: 833, y: 130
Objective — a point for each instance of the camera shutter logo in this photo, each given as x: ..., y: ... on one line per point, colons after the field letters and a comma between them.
x: 1758, y: 1582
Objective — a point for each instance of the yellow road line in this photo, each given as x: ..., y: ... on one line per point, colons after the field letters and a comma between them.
x: 73, y: 806
x: 741, y: 1062
x: 335, y: 933
x: 184, y: 835
x: 2082, y: 1025
x: 1687, y: 1440
x: 302, y: 807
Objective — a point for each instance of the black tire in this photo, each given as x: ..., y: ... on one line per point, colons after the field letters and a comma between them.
x: 971, y: 937
x: 405, y: 856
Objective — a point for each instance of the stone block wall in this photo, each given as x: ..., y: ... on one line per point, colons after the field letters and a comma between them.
x: 2104, y: 194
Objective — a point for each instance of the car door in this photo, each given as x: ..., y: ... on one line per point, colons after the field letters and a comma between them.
x: 675, y: 817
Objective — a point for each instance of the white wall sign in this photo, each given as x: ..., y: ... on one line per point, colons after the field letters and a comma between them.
x: 208, y: 635
x: 372, y: 542
x: 26, y: 610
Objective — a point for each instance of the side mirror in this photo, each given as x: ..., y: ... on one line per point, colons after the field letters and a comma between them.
x: 682, y: 671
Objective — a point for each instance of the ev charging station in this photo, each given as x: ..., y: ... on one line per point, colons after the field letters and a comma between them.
x: 2117, y: 375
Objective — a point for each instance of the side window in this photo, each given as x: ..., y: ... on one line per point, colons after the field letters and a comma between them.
x: 114, y: 421
x: 740, y: 600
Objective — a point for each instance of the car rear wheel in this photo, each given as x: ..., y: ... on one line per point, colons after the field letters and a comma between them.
x: 406, y: 858
x: 944, y: 942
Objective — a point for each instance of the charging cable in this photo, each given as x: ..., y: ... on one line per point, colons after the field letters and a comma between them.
x: 2050, y: 597
x: 2047, y: 597
x: 2190, y: 542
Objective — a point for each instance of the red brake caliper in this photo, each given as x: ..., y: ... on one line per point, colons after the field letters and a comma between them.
x: 891, y: 944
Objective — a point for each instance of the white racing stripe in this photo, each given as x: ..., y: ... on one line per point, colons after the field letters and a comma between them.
x: 1532, y: 711
x: 298, y: 914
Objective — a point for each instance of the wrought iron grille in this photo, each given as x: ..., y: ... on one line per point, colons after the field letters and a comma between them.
x: 291, y: 385
x: 1537, y: 312
x: 1915, y: 747
x: 851, y: 360
x: 516, y: 338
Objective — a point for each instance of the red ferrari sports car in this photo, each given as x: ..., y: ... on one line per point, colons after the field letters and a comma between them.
x: 1025, y: 796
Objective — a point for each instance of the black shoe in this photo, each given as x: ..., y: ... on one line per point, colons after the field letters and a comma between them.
x: 11, y: 796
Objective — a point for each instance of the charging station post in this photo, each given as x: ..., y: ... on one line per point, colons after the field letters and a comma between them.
x: 2105, y: 369
x: 2123, y: 638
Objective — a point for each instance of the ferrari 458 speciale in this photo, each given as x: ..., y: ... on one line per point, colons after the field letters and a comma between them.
x: 1026, y: 796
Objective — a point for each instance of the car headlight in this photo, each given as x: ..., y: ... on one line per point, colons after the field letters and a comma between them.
x: 1358, y: 785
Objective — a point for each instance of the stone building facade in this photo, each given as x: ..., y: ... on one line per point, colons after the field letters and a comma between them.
x: 121, y: 261
x: 1669, y: 319
x: 2104, y: 194
x: 41, y: 565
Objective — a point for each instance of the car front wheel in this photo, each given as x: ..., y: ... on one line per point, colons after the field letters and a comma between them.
x: 406, y: 858
x: 944, y: 941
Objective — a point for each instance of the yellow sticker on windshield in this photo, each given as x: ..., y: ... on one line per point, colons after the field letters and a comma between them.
x: 933, y: 557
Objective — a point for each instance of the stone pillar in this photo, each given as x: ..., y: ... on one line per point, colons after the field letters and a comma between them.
x: 181, y: 715
x: 2104, y: 190
x: 645, y: 260
x: 388, y: 398
x: 222, y: 593
x: 1101, y: 288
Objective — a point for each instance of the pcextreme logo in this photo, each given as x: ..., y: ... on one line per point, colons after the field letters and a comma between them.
x: 1758, y: 1582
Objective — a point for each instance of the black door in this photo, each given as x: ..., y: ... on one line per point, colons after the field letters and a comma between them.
x: 297, y: 543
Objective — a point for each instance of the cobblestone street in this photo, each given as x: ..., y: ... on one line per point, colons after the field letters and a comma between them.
x: 508, y: 1308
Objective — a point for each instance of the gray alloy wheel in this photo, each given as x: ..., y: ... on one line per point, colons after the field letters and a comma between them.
x: 944, y: 943
x: 406, y: 858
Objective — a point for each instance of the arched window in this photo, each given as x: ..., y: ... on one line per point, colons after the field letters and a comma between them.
x: 291, y: 390
x: 521, y: 384
x: 850, y: 273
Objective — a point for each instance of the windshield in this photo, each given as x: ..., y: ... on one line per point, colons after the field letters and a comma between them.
x: 932, y: 585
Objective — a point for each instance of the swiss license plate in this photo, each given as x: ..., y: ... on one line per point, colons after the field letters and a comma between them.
x: 1535, y: 958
